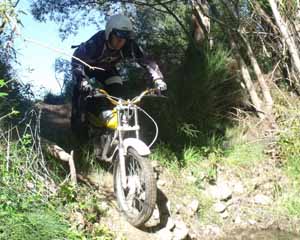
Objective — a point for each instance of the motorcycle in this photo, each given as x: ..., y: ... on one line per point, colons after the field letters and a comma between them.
x: 118, y: 137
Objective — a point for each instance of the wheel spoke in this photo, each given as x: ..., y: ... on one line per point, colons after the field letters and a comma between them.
x: 135, y: 193
x: 135, y: 199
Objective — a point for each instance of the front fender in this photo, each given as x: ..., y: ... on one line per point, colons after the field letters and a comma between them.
x: 138, y: 145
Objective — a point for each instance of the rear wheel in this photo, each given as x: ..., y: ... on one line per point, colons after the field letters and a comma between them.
x: 137, y: 200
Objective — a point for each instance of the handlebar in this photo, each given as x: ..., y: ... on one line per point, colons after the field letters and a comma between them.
x: 101, y: 93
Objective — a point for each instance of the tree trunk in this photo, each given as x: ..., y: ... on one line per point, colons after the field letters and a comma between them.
x: 297, y: 22
x: 201, y: 21
x: 288, y: 38
x: 256, y: 101
x: 260, y: 77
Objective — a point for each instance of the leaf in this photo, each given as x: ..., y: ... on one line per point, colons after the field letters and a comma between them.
x: 2, y: 94
x: 2, y: 83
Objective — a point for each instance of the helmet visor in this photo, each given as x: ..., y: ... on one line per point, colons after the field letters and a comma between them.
x: 122, y: 33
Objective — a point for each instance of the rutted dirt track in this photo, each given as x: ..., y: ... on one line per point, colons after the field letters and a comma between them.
x: 240, y: 207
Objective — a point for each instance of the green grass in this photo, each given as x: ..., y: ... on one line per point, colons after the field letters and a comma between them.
x: 289, y: 151
x: 244, y: 154
x: 28, y: 210
x: 165, y: 156
x: 289, y: 145
x: 289, y: 138
x: 37, y: 224
x: 292, y: 204
x: 289, y: 201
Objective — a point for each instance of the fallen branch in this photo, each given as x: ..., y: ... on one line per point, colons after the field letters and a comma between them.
x: 60, y: 154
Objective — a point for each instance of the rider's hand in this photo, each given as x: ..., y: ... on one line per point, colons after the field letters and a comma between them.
x: 160, y: 85
x: 86, y: 86
x: 79, y: 71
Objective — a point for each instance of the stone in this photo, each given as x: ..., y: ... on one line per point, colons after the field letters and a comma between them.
x: 181, y: 231
x: 219, y: 207
x: 155, y: 164
x: 224, y: 215
x: 30, y: 185
x: 238, y: 188
x: 161, y: 183
x: 192, y: 208
x: 104, y: 206
x: 191, y: 179
x: 178, y: 208
x: 194, y: 205
x: 262, y: 199
x: 238, y: 220
x: 170, y: 224
x: 78, y: 218
x: 165, y: 234
x: 221, y: 191
x: 156, y: 214
x: 252, y: 222
x: 193, y: 236
x: 168, y: 204
x: 212, y: 230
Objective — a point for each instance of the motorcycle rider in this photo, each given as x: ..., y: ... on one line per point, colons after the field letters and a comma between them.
x: 104, y: 50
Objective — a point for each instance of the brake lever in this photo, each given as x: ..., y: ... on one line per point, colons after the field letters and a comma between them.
x: 95, y: 94
x: 158, y: 93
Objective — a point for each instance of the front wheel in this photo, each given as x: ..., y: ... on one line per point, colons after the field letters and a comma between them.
x: 137, y: 200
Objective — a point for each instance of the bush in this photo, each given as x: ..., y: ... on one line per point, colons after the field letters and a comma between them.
x: 289, y: 138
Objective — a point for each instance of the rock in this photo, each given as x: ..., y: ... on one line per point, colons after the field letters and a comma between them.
x: 238, y: 188
x: 168, y: 204
x: 156, y: 214
x: 178, y: 208
x: 212, y: 230
x: 155, y: 164
x: 224, y: 214
x: 155, y: 219
x: 194, y: 205
x: 193, y: 236
x: 221, y: 191
x: 262, y: 199
x: 161, y: 183
x: 170, y: 224
x: 252, y: 222
x: 219, y: 207
x: 165, y: 234
x: 191, y: 179
x: 181, y: 231
x: 30, y: 185
x: 104, y: 206
x: 238, y: 220
x: 78, y: 218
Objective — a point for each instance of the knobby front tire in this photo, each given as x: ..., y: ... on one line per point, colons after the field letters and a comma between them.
x: 138, y: 200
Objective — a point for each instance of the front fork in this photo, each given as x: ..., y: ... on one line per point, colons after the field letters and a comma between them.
x: 122, y: 166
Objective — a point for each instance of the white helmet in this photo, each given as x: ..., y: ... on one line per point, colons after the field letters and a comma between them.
x: 119, y: 25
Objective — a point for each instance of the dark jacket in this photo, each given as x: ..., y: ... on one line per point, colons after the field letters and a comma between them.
x: 96, y: 53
